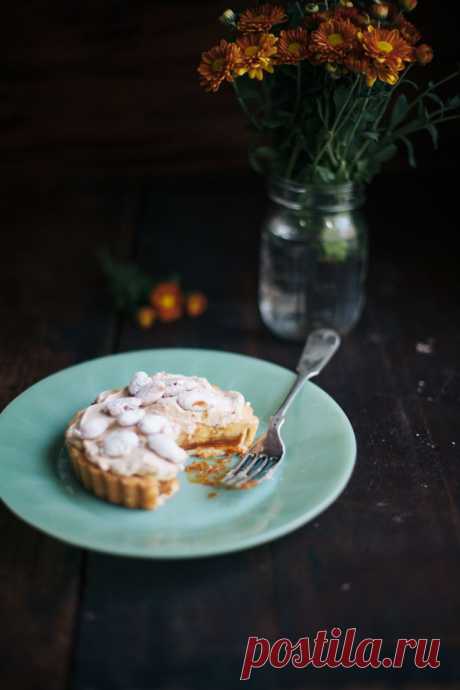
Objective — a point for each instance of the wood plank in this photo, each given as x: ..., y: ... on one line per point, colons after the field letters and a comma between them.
x: 383, y: 558
x: 170, y: 605
x: 54, y: 314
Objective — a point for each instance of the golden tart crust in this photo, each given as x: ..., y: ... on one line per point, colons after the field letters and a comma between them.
x: 133, y: 491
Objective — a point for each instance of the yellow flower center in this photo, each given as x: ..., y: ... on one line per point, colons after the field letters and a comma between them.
x: 217, y: 64
x: 335, y: 39
x: 251, y: 51
x: 384, y: 46
x: 167, y: 301
x: 294, y: 48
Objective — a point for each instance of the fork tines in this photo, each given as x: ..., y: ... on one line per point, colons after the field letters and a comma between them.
x: 253, y: 467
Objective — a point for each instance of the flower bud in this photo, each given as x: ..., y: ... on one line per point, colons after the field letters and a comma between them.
x: 424, y: 54
x: 380, y: 10
x: 346, y: 3
x: 334, y: 71
x: 311, y: 8
x: 363, y: 19
x: 408, y: 5
x: 228, y: 17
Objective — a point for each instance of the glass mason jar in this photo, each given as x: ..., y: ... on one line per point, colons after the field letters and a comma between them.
x: 313, y: 258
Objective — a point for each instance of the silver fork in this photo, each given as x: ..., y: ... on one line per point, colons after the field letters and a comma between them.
x: 268, y: 451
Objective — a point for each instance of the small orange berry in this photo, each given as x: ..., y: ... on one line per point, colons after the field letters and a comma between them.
x: 196, y: 304
x: 424, y: 54
x: 145, y: 317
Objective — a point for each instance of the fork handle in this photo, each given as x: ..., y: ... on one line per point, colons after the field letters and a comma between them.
x: 319, y: 348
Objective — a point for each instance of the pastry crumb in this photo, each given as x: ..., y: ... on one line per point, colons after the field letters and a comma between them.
x: 208, y: 472
x: 248, y: 485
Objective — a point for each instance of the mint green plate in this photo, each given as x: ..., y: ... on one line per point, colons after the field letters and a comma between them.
x: 37, y: 483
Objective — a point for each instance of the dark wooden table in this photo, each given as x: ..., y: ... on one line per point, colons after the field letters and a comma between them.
x: 384, y: 558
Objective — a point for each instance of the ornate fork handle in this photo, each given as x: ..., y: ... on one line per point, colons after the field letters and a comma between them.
x: 318, y: 350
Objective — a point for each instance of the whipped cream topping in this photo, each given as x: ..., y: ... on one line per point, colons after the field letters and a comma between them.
x: 134, y: 430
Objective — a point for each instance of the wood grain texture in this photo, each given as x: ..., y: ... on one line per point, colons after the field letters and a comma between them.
x: 52, y: 317
x: 385, y: 557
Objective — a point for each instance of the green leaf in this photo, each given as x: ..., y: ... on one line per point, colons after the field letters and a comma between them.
x: 436, y: 99
x: 399, y: 110
x: 410, y: 152
x: 433, y: 130
x: 321, y: 113
x: 260, y: 158
x: 366, y: 170
x: 127, y: 282
x: 410, y: 83
x: 248, y: 89
x: 454, y: 102
x: 373, y: 136
x: 340, y: 95
x: 385, y: 154
x: 278, y: 119
x: 325, y: 174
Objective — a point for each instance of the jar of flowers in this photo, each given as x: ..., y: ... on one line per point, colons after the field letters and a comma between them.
x: 328, y: 94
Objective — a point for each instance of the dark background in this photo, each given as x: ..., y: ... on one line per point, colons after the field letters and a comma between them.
x: 107, y: 139
x: 111, y: 86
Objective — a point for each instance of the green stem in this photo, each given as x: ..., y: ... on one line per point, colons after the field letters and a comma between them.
x: 411, y: 129
x: 268, y: 100
x: 378, y: 119
x: 298, y: 143
x: 298, y: 91
x: 332, y: 132
x: 330, y: 151
x: 298, y: 96
x: 404, y: 131
x: 357, y: 124
x: 245, y: 108
x: 389, y: 96
x: 293, y: 159
x: 299, y: 10
x: 346, y: 117
x: 431, y: 88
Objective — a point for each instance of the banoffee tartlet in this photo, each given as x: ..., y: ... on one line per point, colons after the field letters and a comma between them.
x: 130, y: 444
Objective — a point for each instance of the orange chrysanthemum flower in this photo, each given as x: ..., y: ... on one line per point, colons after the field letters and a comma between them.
x: 333, y: 41
x: 167, y: 300
x: 292, y: 46
x: 372, y: 70
x: 262, y: 18
x: 386, y: 47
x: 217, y: 65
x: 256, y: 55
x: 408, y: 31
